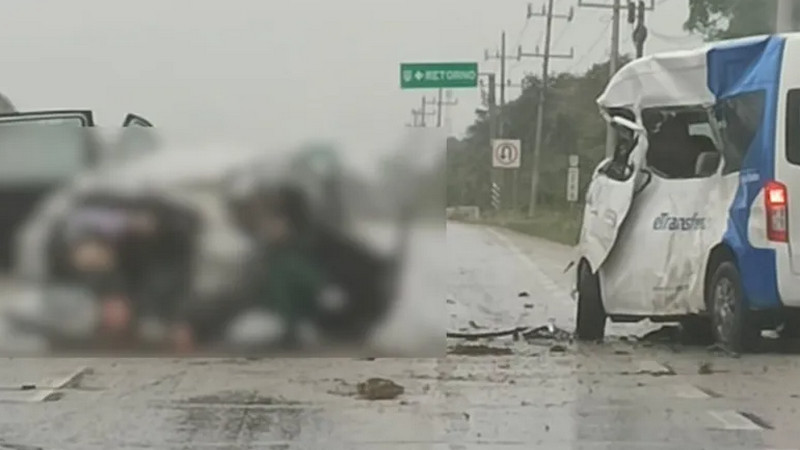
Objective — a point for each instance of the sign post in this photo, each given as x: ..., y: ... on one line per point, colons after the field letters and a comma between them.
x: 438, y: 75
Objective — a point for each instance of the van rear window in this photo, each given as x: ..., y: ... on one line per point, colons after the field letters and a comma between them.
x: 793, y: 126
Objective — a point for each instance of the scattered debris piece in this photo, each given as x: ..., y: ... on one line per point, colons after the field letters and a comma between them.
x: 719, y: 348
x: 756, y: 420
x: 621, y: 352
x: 705, y: 368
x: 655, y: 369
x: 528, y: 305
x: 450, y: 301
x: 54, y: 397
x: 480, y: 350
x: 548, y: 331
x: 10, y: 446
x: 558, y: 348
x: 486, y: 334
x: 569, y: 266
x: 670, y: 333
x: 523, y: 294
x: 473, y: 324
x: 379, y: 389
x: 28, y: 387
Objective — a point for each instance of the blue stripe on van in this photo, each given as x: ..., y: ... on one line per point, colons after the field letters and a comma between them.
x: 733, y: 69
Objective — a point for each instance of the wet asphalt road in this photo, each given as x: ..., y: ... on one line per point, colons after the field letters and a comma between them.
x: 622, y: 394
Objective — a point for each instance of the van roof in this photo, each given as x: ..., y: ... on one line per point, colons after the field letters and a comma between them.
x: 678, y: 77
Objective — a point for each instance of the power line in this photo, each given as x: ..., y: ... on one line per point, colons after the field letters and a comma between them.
x: 597, y: 42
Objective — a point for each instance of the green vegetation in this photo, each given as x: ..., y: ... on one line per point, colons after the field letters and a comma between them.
x: 725, y: 19
x: 572, y: 125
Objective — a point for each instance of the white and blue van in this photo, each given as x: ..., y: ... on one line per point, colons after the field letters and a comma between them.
x: 696, y: 217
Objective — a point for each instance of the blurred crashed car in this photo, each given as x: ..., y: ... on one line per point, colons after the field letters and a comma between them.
x: 172, y: 227
x: 40, y: 151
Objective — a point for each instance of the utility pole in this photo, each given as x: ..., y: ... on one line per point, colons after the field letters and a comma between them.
x: 501, y: 128
x: 784, y: 22
x: 537, y: 149
x: 440, y: 104
x: 614, y: 62
x: 420, y: 114
x: 636, y: 14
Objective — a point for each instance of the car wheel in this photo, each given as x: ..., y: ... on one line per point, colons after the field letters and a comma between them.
x: 732, y: 322
x: 591, y: 315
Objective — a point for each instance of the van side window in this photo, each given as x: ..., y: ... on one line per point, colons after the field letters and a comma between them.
x: 740, y: 118
x: 681, y: 142
x: 793, y: 126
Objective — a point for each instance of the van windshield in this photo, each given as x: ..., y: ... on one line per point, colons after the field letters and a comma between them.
x: 42, y: 153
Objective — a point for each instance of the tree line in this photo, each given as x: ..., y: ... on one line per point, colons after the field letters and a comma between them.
x: 572, y: 123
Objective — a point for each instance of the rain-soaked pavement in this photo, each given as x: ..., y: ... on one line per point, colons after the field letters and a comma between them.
x: 547, y: 393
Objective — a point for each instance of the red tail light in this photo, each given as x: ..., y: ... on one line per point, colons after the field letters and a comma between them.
x: 777, y: 211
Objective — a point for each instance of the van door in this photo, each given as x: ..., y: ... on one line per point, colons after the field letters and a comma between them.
x: 611, y: 192
x: 39, y: 151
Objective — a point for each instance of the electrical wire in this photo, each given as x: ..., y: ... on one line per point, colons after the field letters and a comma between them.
x: 597, y: 42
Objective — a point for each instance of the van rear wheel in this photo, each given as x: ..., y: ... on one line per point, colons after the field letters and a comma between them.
x: 591, y: 315
x: 732, y: 321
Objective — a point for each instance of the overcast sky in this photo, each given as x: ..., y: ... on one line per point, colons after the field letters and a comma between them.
x: 278, y: 70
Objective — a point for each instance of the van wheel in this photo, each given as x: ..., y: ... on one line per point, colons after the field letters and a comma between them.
x: 732, y: 321
x: 591, y: 315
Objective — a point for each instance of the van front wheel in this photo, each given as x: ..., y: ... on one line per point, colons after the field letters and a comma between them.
x: 591, y: 316
x: 732, y: 321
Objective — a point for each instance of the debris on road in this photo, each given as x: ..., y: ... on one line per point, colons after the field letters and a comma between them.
x: 479, y: 350
x: 474, y: 324
x: 450, y: 301
x: 719, y: 348
x: 705, y: 368
x: 655, y: 369
x: 486, y: 334
x: 549, y: 331
x: 379, y: 389
x: 528, y: 306
x: 27, y: 387
x: 558, y: 348
x: 523, y: 294
x: 669, y: 333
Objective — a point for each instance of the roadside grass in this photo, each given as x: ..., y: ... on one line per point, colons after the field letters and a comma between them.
x: 557, y: 225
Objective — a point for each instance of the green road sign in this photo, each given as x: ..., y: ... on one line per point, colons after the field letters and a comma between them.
x: 438, y: 75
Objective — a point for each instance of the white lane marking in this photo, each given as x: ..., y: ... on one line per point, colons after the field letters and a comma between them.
x: 39, y: 390
x: 56, y: 384
x: 732, y: 420
x: 690, y: 392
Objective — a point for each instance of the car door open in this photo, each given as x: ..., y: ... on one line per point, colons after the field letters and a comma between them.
x: 39, y: 151
x: 133, y: 120
x: 611, y: 192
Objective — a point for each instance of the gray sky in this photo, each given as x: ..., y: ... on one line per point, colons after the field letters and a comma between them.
x: 278, y: 71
